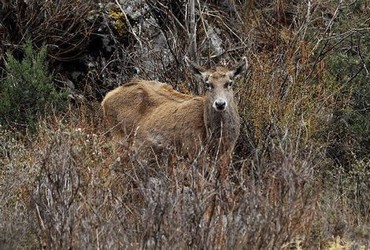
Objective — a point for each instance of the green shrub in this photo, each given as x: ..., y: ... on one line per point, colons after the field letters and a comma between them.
x: 28, y: 92
x: 349, y: 65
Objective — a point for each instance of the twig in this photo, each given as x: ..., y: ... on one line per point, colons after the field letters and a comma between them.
x: 129, y: 25
x: 193, y: 32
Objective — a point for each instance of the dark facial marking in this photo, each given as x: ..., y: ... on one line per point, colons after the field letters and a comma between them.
x: 209, y: 86
x: 228, y: 84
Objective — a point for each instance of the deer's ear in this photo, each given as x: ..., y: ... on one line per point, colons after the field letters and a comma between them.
x: 239, y: 69
x: 197, y: 70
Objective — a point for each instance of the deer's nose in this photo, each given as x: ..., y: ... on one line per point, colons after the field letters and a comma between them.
x: 220, y: 104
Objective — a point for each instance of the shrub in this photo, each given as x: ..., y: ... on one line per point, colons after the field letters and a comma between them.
x: 348, y: 65
x: 28, y: 92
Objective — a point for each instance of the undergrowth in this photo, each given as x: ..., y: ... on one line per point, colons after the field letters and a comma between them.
x: 81, y: 194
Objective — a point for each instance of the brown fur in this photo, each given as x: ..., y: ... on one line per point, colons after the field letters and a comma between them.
x: 151, y: 114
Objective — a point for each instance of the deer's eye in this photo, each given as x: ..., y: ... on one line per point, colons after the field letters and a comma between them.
x: 209, y: 86
x: 228, y: 85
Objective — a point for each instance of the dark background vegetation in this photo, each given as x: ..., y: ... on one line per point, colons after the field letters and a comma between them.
x: 301, y: 169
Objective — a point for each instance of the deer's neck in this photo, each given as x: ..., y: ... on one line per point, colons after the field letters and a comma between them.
x: 224, y: 125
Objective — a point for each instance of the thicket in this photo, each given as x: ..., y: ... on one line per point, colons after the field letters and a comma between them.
x: 300, y: 173
x: 28, y: 93
x: 349, y: 67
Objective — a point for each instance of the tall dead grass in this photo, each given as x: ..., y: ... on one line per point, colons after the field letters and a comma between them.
x: 77, y: 193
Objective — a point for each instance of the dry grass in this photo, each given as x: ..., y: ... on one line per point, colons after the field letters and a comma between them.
x: 48, y: 23
x: 73, y: 185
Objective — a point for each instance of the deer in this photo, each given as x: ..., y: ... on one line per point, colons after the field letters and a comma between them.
x: 151, y: 114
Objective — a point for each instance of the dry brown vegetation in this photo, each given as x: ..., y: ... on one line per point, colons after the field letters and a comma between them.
x: 299, y: 177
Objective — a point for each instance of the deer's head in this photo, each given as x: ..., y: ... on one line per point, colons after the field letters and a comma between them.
x: 219, y: 82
